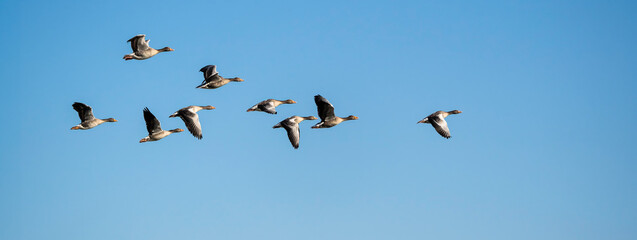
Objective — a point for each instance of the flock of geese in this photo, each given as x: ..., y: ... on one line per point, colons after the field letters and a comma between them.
x: 212, y: 80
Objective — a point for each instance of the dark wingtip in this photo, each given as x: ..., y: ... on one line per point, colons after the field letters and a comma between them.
x: 203, y: 69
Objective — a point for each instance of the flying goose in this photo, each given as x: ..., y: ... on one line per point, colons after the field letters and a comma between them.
x: 191, y: 119
x: 269, y: 105
x: 291, y: 125
x: 213, y: 80
x: 326, y: 113
x: 153, y: 126
x: 141, y: 50
x: 86, y: 116
x: 437, y: 120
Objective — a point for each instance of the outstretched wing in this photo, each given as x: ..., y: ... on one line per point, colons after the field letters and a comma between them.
x: 294, y: 133
x: 208, y: 71
x: 324, y: 107
x: 139, y: 43
x: 191, y: 120
x: 440, y: 125
x: 152, y: 124
x: 84, y: 111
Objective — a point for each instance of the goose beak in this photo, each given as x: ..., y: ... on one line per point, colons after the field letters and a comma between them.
x: 143, y: 140
x: 75, y: 128
x: 421, y: 121
x: 170, y: 49
x: 459, y: 111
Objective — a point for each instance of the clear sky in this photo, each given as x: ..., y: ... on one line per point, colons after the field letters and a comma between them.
x: 544, y: 148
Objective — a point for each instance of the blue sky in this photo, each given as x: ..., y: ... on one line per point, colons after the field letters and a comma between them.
x: 544, y: 148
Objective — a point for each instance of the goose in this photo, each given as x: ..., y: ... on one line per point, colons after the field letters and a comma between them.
x: 269, y: 105
x: 153, y: 126
x: 291, y: 125
x: 86, y: 116
x: 437, y: 120
x: 213, y: 80
x: 141, y: 50
x: 191, y: 119
x: 326, y: 113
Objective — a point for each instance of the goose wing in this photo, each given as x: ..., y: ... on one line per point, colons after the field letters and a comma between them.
x: 208, y: 71
x: 139, y: 43
x: 440, y: 125
x: 324, y: 107
x: 191, y: 120
x: 84, y: 111
x: 267, y: 106
x: 152, y: 124
x: 294, y: 133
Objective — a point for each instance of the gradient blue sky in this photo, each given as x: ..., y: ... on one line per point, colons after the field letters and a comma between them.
x: 544, y: 148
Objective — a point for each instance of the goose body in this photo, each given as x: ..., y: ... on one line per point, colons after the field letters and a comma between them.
x: 269, y: 106
x: 141, y: 49
x: 437, y: 120
x: 86, y: 116
x: 153, y: 126
x: 191, y: 118
x: 291, y: 125
x: 213, y: 80
x: 326, y: 113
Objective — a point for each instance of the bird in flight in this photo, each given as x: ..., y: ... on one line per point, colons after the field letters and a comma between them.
x: 326, y: 113
x: 191, y: 118
x: 437, y: 120
x: 141, y: 50
x: 153, y: 126
x: 86, y: 116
